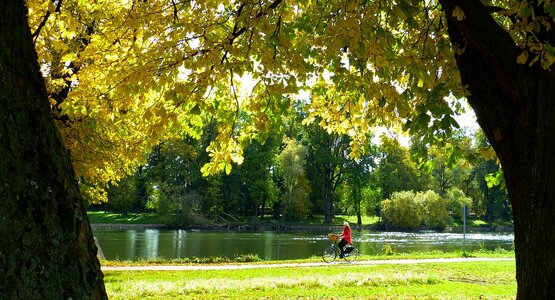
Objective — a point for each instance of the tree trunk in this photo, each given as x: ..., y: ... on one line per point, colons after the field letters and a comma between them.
x: 328, y: 194
x: 358, y: 200
x: 514, y: 106
x: 276, y: 210
x: 489, y: 207
x: 262, y: 209
x: 46, y: 246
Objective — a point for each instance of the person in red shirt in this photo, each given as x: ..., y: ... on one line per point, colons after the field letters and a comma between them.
x: 345, y: 238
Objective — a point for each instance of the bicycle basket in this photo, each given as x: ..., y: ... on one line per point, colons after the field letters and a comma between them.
x: 333, y: 237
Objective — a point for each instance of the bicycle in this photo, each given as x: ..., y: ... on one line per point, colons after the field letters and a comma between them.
x: 332, y: 252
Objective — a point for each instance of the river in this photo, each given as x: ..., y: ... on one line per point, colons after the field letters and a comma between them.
x: 137, y: 244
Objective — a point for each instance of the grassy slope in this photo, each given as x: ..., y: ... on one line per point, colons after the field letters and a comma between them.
x: 468, y: 280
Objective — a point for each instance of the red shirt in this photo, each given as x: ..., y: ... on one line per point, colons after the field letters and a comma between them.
x: 347, y: 234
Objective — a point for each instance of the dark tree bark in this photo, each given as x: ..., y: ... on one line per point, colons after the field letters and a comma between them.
x: 46, y: 245
x: 515, y: 107
x: 328, y: 195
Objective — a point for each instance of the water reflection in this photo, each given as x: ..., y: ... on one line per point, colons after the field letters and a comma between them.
x: 154, y: 243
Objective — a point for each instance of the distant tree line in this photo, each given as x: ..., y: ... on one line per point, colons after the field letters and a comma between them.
x: 302, y: 170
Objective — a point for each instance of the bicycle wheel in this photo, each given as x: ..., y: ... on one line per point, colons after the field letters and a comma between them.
x: 329, y: 254
x: 351, y: 256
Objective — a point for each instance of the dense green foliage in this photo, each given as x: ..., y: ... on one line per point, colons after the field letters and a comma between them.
x: 303, y: 170
x: 402, y: 210
x: 408, y: 209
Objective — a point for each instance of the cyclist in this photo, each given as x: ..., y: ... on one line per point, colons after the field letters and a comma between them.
x: 345, y: 238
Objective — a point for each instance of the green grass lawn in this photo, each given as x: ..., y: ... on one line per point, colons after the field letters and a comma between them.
x: 130, y: 218
x: 467, y: 280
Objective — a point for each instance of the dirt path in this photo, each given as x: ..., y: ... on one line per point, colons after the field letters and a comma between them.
x: 296, y: 265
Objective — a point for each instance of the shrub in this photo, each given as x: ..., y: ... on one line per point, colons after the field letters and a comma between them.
x: 388, y: 249
x: 434, y: 208
x: 402, y: 210
x: 409, y: 210
x: 247, y: 258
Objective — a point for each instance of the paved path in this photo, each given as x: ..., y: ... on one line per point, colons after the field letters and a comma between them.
x: 296, y: 265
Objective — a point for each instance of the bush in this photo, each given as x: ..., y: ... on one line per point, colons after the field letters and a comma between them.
x: 435, y: 213
x: 402, y: 210
x: 387, y: 249
x: 409, y: 210
x: 247, y: 258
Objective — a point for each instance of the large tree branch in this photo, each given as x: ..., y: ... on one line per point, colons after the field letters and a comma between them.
x: 43, y: 22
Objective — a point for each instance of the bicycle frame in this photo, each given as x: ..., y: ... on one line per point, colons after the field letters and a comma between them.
x: 349, y: 256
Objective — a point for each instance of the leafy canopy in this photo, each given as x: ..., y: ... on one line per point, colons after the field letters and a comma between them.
x: 124, y: 74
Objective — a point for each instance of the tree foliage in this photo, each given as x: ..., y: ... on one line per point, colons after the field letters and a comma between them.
x: 122, y: 75
x: 456, y: 201
x: 292, y: 163
x: 396, y: 171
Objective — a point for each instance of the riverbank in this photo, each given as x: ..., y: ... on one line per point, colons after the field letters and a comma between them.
x: 106, y: 220
x: 278, y: 227
x: 226, y: 227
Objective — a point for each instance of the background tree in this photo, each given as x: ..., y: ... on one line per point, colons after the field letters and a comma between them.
x: 358, y: 175
x: 489, y: 189
x: 173, y: 174
x: 397, y: 171
x: 295, y: 203
x: 328, y: 159
x: 123, y: 196
x: 434, y: 209
x: 449, y: 164
x: 456, y: 201
x: 256, y: 170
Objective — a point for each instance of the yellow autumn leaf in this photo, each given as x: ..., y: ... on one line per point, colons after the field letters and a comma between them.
x: 458, y: 14
x: 227, y: 168
x: 522, y: 58
x: 488, y: 153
